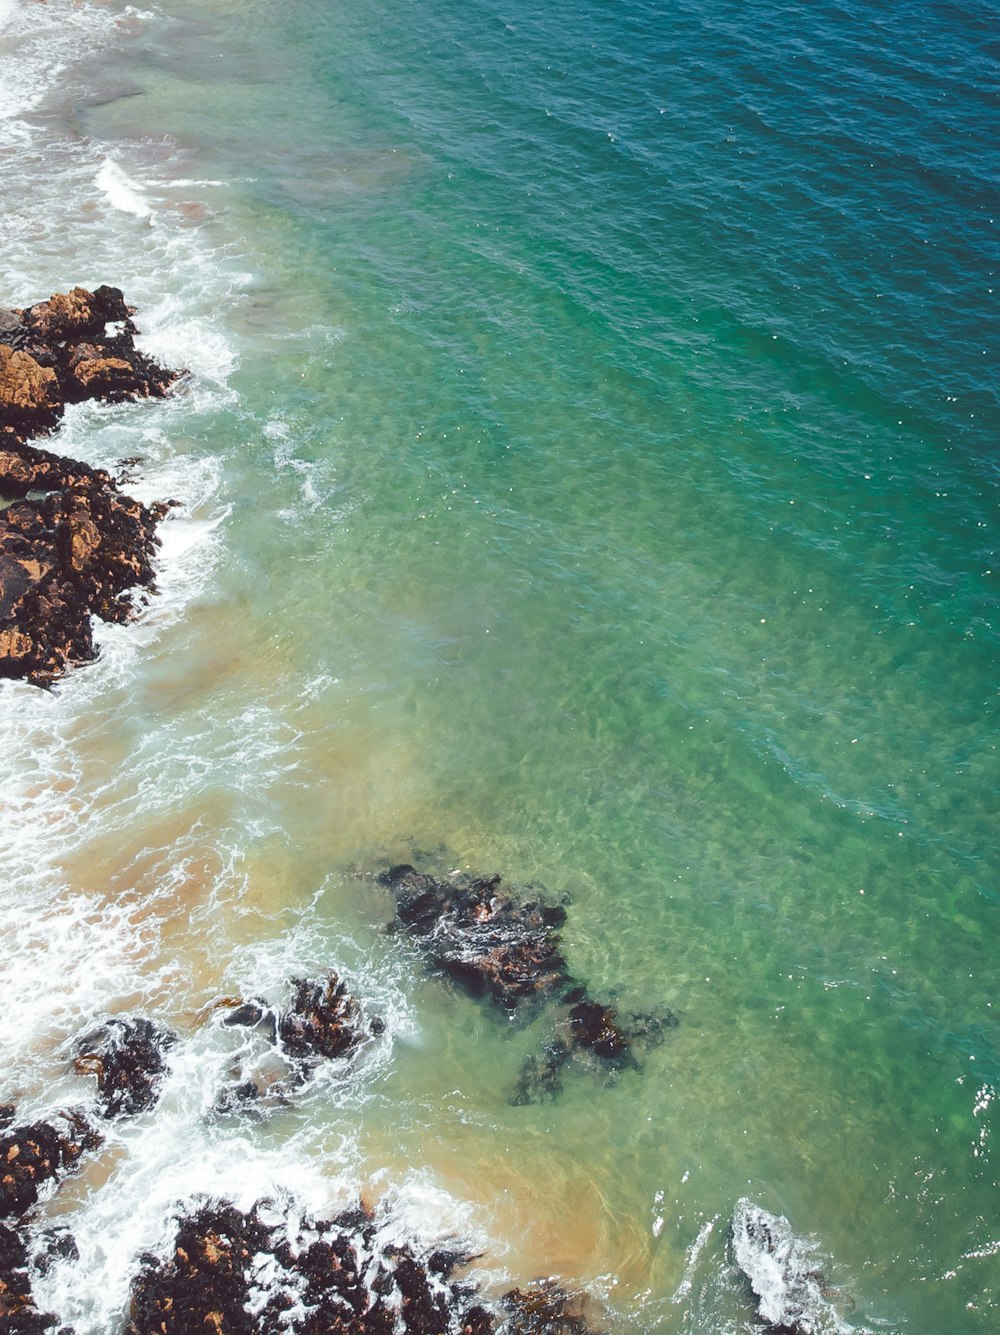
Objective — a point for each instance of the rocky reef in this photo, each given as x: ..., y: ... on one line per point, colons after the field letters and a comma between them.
x: 507, y: 948
x: 18, y: 1313
x: 232, y: 1272
x: 37, y: 1153
x: 73, y: 544
x: 494, y: 944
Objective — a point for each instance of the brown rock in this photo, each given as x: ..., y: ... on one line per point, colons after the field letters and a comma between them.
x: 73, y: 544
x: 29, y: 392
x: 75, y: 315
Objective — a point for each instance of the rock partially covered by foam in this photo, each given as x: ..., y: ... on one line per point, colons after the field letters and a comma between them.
x: 18, y: 1313
x: 784, y: 1274
x: 322, y: 1023
x: 271, y: 1271
x: 128, y: 1057
x: 35, y: 1154
x: 491, y: 942
x: 74, y: 545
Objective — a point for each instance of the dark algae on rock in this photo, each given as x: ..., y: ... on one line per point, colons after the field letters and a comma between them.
x: 248, y: 1273
x: 492, y: 943
x: 128, y: 1057
x: 73, y: 545
x: 37, y: 1153
x: 322, y: 1023
x: 507, y: 948
x: 18, y: 1313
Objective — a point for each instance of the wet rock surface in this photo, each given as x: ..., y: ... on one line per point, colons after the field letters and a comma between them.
x: 322, y: 1023
x: 73, y: 544
x: 34, y: 1154
x: 128, y: 1057
x: 236, y: 1273
x: 18, y: 1313
x: 323, y: 1020
x: 793, y: 1297
x: 491, y: 942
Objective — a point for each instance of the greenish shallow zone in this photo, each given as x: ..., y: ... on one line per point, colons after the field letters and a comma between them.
x: 604, y: 583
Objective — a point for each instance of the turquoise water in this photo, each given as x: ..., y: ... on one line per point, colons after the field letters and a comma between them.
x: 589, y: 472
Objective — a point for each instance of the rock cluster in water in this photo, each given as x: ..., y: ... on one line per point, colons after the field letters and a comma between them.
x: 32, y: 1156
x: 322, y: 1023
x: 73, y: 544
x: 498, y: 945
x: 36, y: 1153
x: 247, y: 1273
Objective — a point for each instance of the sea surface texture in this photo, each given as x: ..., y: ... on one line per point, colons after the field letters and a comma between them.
x: 588, y: 473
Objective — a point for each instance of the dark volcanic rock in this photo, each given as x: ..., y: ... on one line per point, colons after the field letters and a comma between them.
x: 235, y: 1273
x: 32, y: 1155
x: 74, y: 545
x: 332, y: 1278
x: 128, y: 1058
x: 492, y: 943
x: 322, y: 1023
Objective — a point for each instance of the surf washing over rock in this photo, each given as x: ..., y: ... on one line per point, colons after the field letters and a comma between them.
x: 493, y: 807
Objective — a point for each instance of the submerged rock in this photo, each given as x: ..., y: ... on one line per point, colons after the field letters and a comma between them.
x: 490, y: 942
x: 251, y: 1274
x: 545, y: 1309
x: 74, y: 545
x: 594, y: 1033
x: 792, y: 1293
x: 127, y: 1055
x: 37, y: 1153
x: 498, y: 945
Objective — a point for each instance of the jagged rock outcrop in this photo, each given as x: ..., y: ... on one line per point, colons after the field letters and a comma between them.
x: 322, y: 1023
x: 18, y: 1313
x: 34, y: 1154
x: 72, y: 544
x: 236, y: 1273
x: 128, y: 1057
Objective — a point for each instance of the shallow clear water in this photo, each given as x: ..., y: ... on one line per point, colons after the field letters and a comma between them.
x: 588, y: 474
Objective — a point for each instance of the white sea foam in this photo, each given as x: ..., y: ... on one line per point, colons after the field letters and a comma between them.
x: 123, y: 193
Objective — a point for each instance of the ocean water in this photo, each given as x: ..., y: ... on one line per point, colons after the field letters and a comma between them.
x: 588, y: 473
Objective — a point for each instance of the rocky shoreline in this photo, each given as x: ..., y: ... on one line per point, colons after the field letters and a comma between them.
x: 73, y: 545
